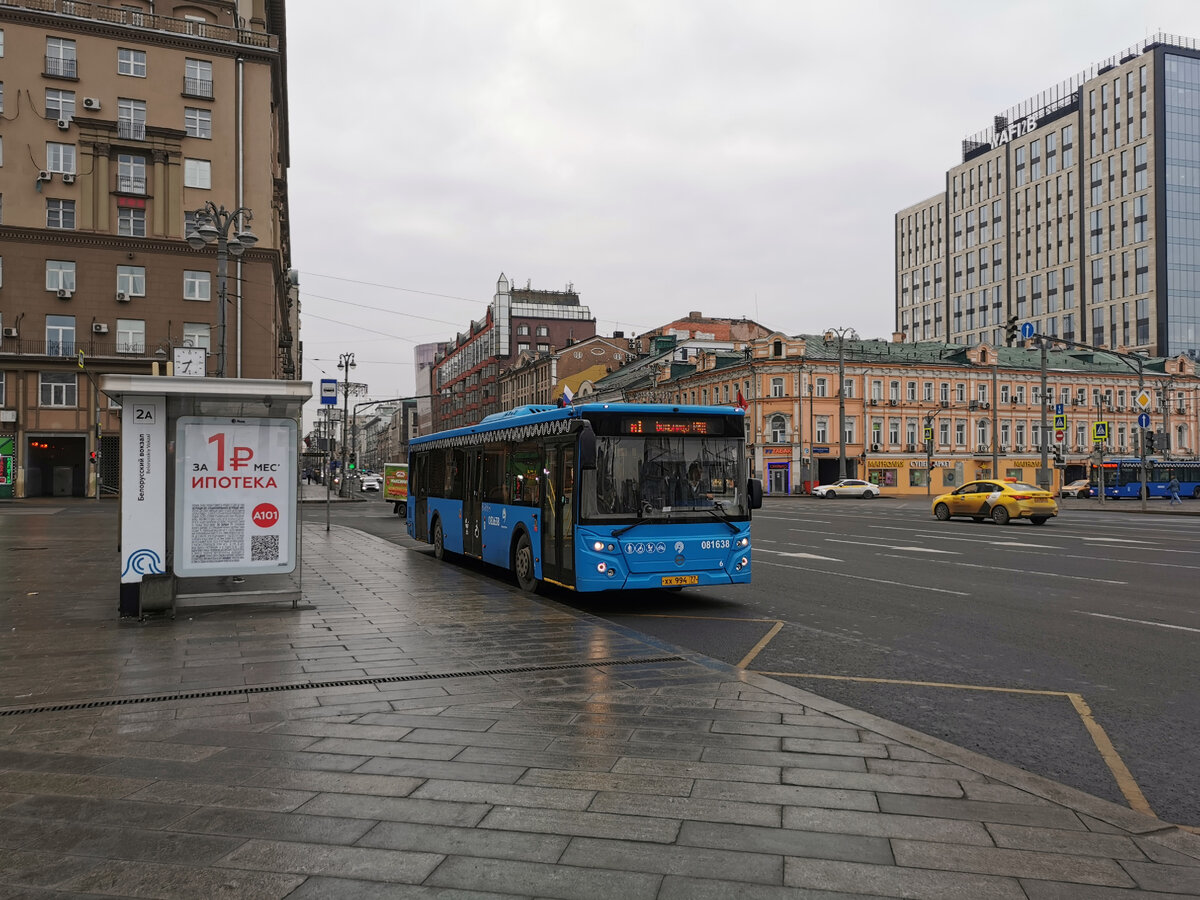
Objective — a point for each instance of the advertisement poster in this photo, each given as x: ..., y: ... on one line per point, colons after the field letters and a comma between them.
x: 143, y: 487
x: 235, y: 499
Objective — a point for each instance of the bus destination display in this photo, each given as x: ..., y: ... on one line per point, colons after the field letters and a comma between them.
x: 655, y: 425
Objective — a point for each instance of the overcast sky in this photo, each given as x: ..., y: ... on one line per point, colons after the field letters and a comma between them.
x: 737, y: 157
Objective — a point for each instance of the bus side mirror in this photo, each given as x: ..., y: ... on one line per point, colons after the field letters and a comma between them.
x: 587, y: 449
x: 754, y: 493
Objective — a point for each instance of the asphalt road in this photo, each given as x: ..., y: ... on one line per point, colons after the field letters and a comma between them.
x: 1069, y: 649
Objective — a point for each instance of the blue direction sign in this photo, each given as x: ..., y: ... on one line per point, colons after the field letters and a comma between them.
x: 1144, y: 420
x: 328, y: 391
x: 1058, y: 409
x: 1027, y: 330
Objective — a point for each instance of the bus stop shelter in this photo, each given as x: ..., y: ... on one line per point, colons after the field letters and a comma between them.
x: 209, y: 490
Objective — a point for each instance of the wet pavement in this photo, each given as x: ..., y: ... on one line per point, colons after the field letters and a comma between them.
x: 419, y: 729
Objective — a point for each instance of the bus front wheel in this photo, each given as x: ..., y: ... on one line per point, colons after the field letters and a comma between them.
x: 523, y: 564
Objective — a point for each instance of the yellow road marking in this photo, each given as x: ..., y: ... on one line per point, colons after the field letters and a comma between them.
x: 1120, y: 772
x: 766, y: 638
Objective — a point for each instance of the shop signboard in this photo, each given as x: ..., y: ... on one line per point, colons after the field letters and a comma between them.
x: 143, y: 487
x: 235, y: 496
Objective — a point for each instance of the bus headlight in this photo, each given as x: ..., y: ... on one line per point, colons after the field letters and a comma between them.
x: 598, y: 546
x: 600, y: 567
x: 743, y: 542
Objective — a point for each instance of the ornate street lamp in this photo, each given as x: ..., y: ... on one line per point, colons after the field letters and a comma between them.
x: 841, y: 335
x: 212, y: 224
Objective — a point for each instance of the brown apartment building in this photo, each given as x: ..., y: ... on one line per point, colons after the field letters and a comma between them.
x: 120, y: 121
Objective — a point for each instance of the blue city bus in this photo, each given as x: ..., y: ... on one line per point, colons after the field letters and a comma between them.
x: 1123, y: 477
x: 592, y: 497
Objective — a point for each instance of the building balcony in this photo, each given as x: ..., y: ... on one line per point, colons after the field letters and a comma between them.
x: 131, y: 185
x: 134, y: 18
x: 131, y: 131
x: 101, y: 347
x: 197, y: 87
x: 57, y: 67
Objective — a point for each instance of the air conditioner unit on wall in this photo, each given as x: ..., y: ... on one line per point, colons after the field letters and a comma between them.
x: 64, y: 124
x: 10, y: 332
x: 64, y: 294
x: 122, y: 297
x: 91, y: 103
x: 43, y: 175
x: 99, y: 328
x: 68, y: 178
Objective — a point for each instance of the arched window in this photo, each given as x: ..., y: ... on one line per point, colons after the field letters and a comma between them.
x: 778, y: 430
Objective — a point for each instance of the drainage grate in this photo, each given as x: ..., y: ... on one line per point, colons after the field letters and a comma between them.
x: 316, y: 685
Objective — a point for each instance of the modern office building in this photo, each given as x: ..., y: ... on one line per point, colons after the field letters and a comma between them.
x: 1076, y: 211
x: 464, y: 377
x: 120, y: 122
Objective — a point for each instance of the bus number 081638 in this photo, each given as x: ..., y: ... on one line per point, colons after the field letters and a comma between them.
x: 724, y: 544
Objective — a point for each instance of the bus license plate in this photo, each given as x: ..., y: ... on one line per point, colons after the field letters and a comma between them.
x: 677, y: 580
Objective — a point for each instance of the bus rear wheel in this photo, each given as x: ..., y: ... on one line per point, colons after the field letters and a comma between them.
x: 439, y: 540
x: 523, y: 564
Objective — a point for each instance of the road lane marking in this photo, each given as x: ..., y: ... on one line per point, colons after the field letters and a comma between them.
x: 891, y: 547
x: 1120, y: 772
x: 1088, y: 537
x: 918, y: 587
x: 1139, y: 621
x: 967, y: 565
x: 797, y: 555
x: 757, y: 648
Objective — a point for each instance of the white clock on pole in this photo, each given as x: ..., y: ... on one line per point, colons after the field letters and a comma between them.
x: 190, y: 361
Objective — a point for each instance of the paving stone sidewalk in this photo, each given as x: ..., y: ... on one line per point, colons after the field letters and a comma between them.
x: 421, y: 730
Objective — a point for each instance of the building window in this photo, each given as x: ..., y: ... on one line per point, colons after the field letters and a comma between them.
x: 131, y: 62
x: 521, y: 348
x: 523, y: 329
x: 822, y: 387
x: 198, y: 78
x: 197, y: 285
x: 60, y: 213
x: 60, y: 104
x: 197, y: 122
x: 821, y: 431
x: 776, y: 387
x: 60, y: 57
x: 197, y: 334
x: 131, y: 175
x: 912, y: 391
x: 778, y: 430
x: 197, y: 173
x: 60, y: 335
x: 1, y: 388
x: 131, y: 119
x: 131, y: 336
x: 893, y: 431
x: 60, y: 158
x: 131, y: 222
x: 543, y: 348
x: 543, y: 331
x: 131, y: 280
x: 58, y: 389
x: 60, y: 275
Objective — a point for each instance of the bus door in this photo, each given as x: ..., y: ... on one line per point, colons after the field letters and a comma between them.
x: 418, y: 495
x: 558, y: 514
x: 473, y: 503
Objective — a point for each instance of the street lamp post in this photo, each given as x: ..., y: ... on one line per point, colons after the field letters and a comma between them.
x: 212, y: 224
x: 842, y: 334
x: 345, y: 362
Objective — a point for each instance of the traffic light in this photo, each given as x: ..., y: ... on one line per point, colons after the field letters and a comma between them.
x: 1149, y: 439
x: 353, y: 462
x: 1058, y: 455
x: 94, y: 456
x: 1010, y: 331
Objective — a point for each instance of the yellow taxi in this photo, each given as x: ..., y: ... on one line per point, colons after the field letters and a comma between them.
x: 1001, y: 501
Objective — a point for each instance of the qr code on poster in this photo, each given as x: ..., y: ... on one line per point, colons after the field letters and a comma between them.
x: 264, y: 547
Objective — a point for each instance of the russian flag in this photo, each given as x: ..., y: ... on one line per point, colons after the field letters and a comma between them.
x: 567, y: 395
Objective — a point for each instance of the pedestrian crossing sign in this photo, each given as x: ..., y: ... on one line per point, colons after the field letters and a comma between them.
x: 1100, y: 432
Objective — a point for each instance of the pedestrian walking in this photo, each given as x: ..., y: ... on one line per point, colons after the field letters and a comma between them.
x: 1173, y: 487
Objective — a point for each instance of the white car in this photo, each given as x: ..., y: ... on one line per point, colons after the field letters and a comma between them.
x: 847, y: 487
x: 370, y: 483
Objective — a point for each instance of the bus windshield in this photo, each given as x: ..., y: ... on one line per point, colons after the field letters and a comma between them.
x: 665, y: 477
